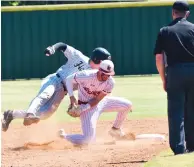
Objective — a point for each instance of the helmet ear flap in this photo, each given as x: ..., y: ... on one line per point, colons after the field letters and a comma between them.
x: 96, y: 61
x: 109, y: 58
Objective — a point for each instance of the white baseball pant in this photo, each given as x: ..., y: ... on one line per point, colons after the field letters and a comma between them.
x: 89, y: 118
x: 47, y: 101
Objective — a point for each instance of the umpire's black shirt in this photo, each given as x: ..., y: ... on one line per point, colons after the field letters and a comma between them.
x: 177, y: 41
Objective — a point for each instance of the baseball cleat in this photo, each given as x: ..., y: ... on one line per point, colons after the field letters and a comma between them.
x: 31, y: 119
x: 61, y: 133
x: 6, y: 120
x: 116, y: 133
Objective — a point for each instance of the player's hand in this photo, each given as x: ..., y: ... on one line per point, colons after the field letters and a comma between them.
x: 49, y: 51
x: 73, y: 111
x: 73, y: 101
x: 164, y: 86
x: 76, y: 110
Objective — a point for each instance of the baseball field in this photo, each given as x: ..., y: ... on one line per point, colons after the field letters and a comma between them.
x: 38, y: 145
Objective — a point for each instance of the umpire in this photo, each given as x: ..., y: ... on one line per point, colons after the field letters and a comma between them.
x: 176, y: 43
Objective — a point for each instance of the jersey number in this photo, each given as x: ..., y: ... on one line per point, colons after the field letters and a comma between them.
x: 79, y: 65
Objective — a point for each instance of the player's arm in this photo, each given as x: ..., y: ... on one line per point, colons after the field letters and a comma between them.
x: 93, y: 102
x: 71, y: 80
x: 158, y: 52
x: 160, y: 66
x: 60, y: 46
x: 68, y: 51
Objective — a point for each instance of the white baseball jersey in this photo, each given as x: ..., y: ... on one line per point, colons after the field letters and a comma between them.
x: 52, y: 91
x: 76, y: 62
x: 89, y: 86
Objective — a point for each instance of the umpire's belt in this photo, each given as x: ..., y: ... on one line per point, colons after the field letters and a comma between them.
x: 81, y: 102
x: 64, y: 87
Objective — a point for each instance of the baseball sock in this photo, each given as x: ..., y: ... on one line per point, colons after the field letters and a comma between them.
x: 19, y: 114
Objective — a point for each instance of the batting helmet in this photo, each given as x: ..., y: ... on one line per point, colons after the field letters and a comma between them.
x: 99, y: 54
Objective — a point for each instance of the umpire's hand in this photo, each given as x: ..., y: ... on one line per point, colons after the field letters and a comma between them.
x: 49, y: 51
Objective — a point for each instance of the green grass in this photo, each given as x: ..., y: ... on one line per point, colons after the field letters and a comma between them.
x: 167, y: 159
x: 146, y: 94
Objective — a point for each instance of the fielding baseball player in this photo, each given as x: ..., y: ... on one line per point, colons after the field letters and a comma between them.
x: 93, y: 88
x: 53, y: 88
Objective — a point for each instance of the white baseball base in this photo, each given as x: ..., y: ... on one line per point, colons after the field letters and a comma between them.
x: 150, y: 136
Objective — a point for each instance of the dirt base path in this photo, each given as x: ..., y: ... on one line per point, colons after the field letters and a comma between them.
x: 20, y: 146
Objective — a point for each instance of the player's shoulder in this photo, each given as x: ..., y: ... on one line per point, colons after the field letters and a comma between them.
x: 91, y: 72
x: 163, y: 30
x: 76, y: 51
x: 84, y: 58
x: 111, y: 80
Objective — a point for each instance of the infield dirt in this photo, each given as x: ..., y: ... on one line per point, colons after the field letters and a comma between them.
x: 39, y: 146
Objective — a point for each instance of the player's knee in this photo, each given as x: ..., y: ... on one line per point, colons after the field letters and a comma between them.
x: 47, y: 93
x: 89, y: 138
x: 128, y: 105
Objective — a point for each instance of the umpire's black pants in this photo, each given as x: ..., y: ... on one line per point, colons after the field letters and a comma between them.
x: 180, y: 93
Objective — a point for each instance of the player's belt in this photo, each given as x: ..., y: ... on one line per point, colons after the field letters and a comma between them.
x: 64, y: 87
x: 81, y: 102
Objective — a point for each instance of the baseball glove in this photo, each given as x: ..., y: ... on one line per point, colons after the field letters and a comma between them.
x: 76, y: 110
x: 73, y: 111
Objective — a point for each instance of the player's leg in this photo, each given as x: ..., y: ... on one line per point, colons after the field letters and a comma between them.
x: 52, y: 105
x: 176, y: 103
x: 120, y: 105
x: 44, y: 112
x: 189, y: 115
x: 46, y: 88
x: 6, y: 119
x: 46, y: 93
x: 10, y: 115
x: 88, y: 121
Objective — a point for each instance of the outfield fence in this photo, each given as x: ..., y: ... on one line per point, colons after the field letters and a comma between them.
x: 127, y: 29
